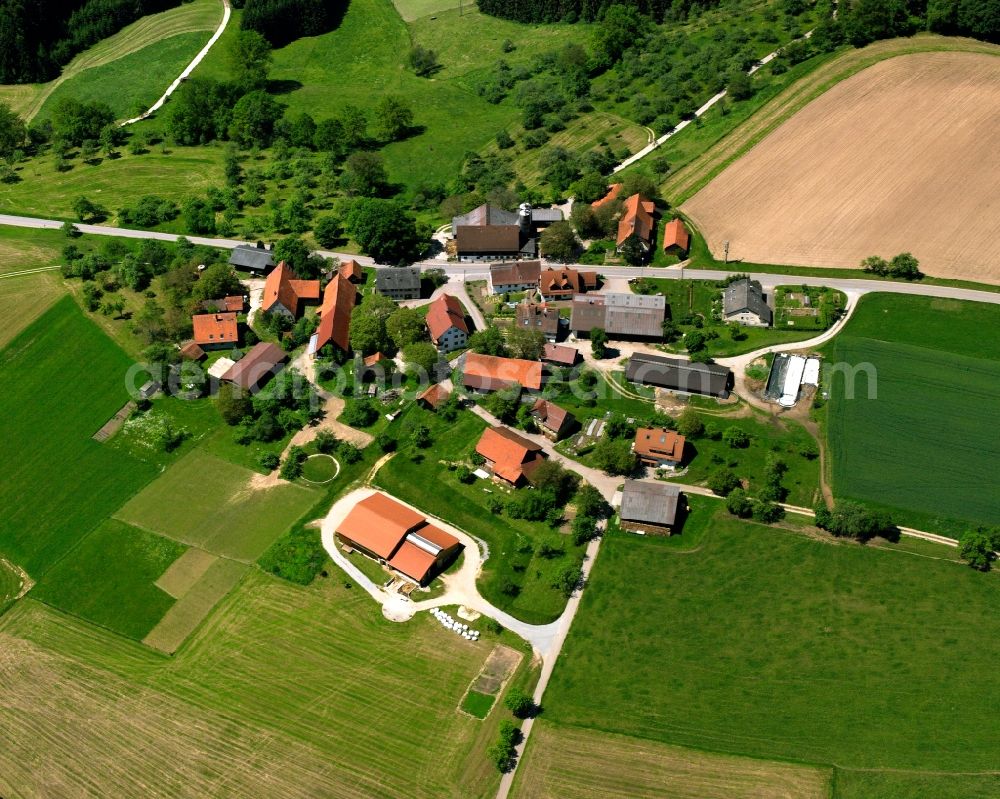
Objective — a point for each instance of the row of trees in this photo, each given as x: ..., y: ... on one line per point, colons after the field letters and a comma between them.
x: 284, y: 21
x: 903, y: 266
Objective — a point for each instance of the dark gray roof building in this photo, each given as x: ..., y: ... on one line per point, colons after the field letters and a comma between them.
x: 484, y: 215
x: 746, y: 297
x: 678, y: 375
x: 398, y: 282
x: 252, y: 258
x: 621, y: 315
x: 649, y: 503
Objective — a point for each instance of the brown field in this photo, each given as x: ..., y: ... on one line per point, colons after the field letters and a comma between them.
x: 899, y: 157
x: 588, y: 764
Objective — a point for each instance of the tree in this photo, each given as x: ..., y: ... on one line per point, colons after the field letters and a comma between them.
x: 250, y: 60
x: 422, y: 354
x: 327, y: 230
x: 488, y: 341
x: 592, y: 186
x: 615, y: 456
x: 359, y: 413
x: 405, y: 326
x: 690, y: 424
x: 589, y: 502
x: 620, y: 29
x: 875, y: 265
x: 234, y: 405
x: 853, y: 520
x: 739, y: 504
x: 638, y: 183
x: 723, y: 482
x: 976, y: 549
x: 253, y: 119
x: 905, y: 266
x: 736, y: 437
x: 296, y: 253
x: 868, y: 20
x: 75, y: 122
x: 503, y: 751
x: 568, y: 579
x: 291, y: 469
x: 552, y: 477
x: 423, y: 61
x: 368, y: 325
x: 392, y: 117
x: 525, y: 343
x: 420, y: 436
x: 695, y: 341
x: 740, y: 86
x: 504, y: 404
x: 598, y: 342
x: 767, y: 512
x: 519, y: 703
x: 199, y: 217
x: 217, y: 280
x: 364, y: 175
x: 558, y: 241
x: 13, y: 131
x: 384, y: 231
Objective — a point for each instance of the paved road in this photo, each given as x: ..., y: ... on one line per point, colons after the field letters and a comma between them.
x: 226, y: 13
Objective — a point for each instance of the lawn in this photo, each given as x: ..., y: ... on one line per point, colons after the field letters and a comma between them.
x: 414, y: 9
x: 774, y: 644
x: 514, y: 543
x: 283, y: 687
x: 63, y: 380
x: 209, y: 503
x: 936, y: 378
x: 477, y: 704
x: 109, y: 579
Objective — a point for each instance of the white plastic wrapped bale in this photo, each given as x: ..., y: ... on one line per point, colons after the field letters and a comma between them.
x: 810, y: 375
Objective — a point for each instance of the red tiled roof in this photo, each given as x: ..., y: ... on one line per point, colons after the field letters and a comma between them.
x: 637, y: 219
x: 252, y: 367
x: 489, y: 371
x: 374, y: 358
x: 437, y: 536
x: 512, y: 455
x: 613, y: 191
x: 335, y: 314
x: 192, y: 351
x: 495, y: 238
x: 659, y: 443
x: 550, y: 415
x: 675, y: 235
x: 560, y: 354
x: 516, y: 273
x: 445, y: 313
x: 234, y: 303
x: 378, y: 524
x: 434, y: 395
x: 412, y: 561
x: 566, y: 281
x: 283, y: 286
x: 351, y: 270
x: 215, y: 328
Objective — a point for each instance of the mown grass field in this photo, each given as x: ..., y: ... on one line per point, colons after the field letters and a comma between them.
x: 23, y: 298
x: 209, y: 503
x: 63, y: 380
x: 886, y: 785
x: 285, y: 692
x: 919, y: 447
x: 570, y: 761
x: 776, y: 644
x: 415, y: 9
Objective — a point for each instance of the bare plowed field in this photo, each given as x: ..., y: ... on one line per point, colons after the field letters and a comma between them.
x: 900, y: 157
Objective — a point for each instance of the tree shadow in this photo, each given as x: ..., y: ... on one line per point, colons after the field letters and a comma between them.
x: 283, y: 86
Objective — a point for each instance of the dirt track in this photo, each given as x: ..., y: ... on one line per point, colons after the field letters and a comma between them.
x: 900, y: 157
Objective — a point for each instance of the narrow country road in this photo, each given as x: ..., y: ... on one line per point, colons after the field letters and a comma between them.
x: 226, y: 14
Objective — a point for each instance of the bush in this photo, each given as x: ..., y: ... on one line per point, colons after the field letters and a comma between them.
x: 270, y: 461
x: 852, y: 520
x: 359, y: 413
x: 291, y: 469
x: 723, y: 482
x: 736, y: 437
x: 326, y: 442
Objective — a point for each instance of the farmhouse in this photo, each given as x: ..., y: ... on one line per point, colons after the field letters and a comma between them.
x: 683, y: 377
x: 620, y: 315
x: 509, y: 457
x: 433, y: 397
x: 256, y: 259
x: 446, y: 324
x: 532, y: 316
x: 649, y: 508
x: 215, y: 330
x: 284, y: 293
x: 488, y: 233
x: 398, y: 282
x: 351, y: 270
x: 553, y: 421
x: 659, y: 447
x: 676, y: 239
x: 516, y: 276
x: 562, y: 284
x: 399, y: 537
x: 485, y: 373
x: 339, y: 300
x: 637, y: 224
x: 613, y: 191
x: 743, y: 301
x: 560, y: 355
x: 254, y: 369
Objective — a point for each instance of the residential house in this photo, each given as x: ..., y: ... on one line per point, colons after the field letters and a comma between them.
x: 433, y: 397
x: 613, y: 191
x: 563, y: 284
x: 649, y: 507
x: 398, y: 282
x: 505, y: 278
x: 553, y: 421
x: 397, y: 536
x: 446, y: 324
x: 488, y: 233
x: 560, y: 355
x: 743, y: 301
x: 485, y: 373
x: 659, y: 447
x: 509, y: 457
x: 254, y: 369
x: 256, y: 259
x: 285, y: 294
x: 531, y: 316
x: 215, y: 330
x: 679, y: 376
x: 637, y: 224
x: 676, y: 240
x: 632, y: 316
x: 339, y: 300
x: 351, y: 270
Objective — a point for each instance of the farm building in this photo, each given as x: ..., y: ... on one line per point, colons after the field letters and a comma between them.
x: 398, y: 282
x: 676, y: 240
x: 515, y: 276
x: 659, y: 447
x: 553, y: 421
x: 215, y: 330
x: 399, y: 537
x: 284, y: 293
x: 351, y: 270
x: 563, y: 284
x: 234, y: 304
x: 339, y: 300
x: 638, y: 224
x: 256, y: 259
x: 433, y: 397
x: 560, y: 355
x: 649, y: 508
x: 510, y: 458
x: 683, y: 377
x: 485, y: 373
x: 743, y: 301
x: 532, y: 316
x: 192, y: 352
x: 446, y: 324
x: 254, y: 369
x: 613, y: 191
x: 490, y: 234
x: 619, y: 315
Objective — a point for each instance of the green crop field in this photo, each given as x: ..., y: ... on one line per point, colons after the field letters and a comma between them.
x: 209, y: 503
x: 285, y: 691
x: 779, y: 645
x: 63, y: 379
x: 918, y: 447
x: 108, y: 579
